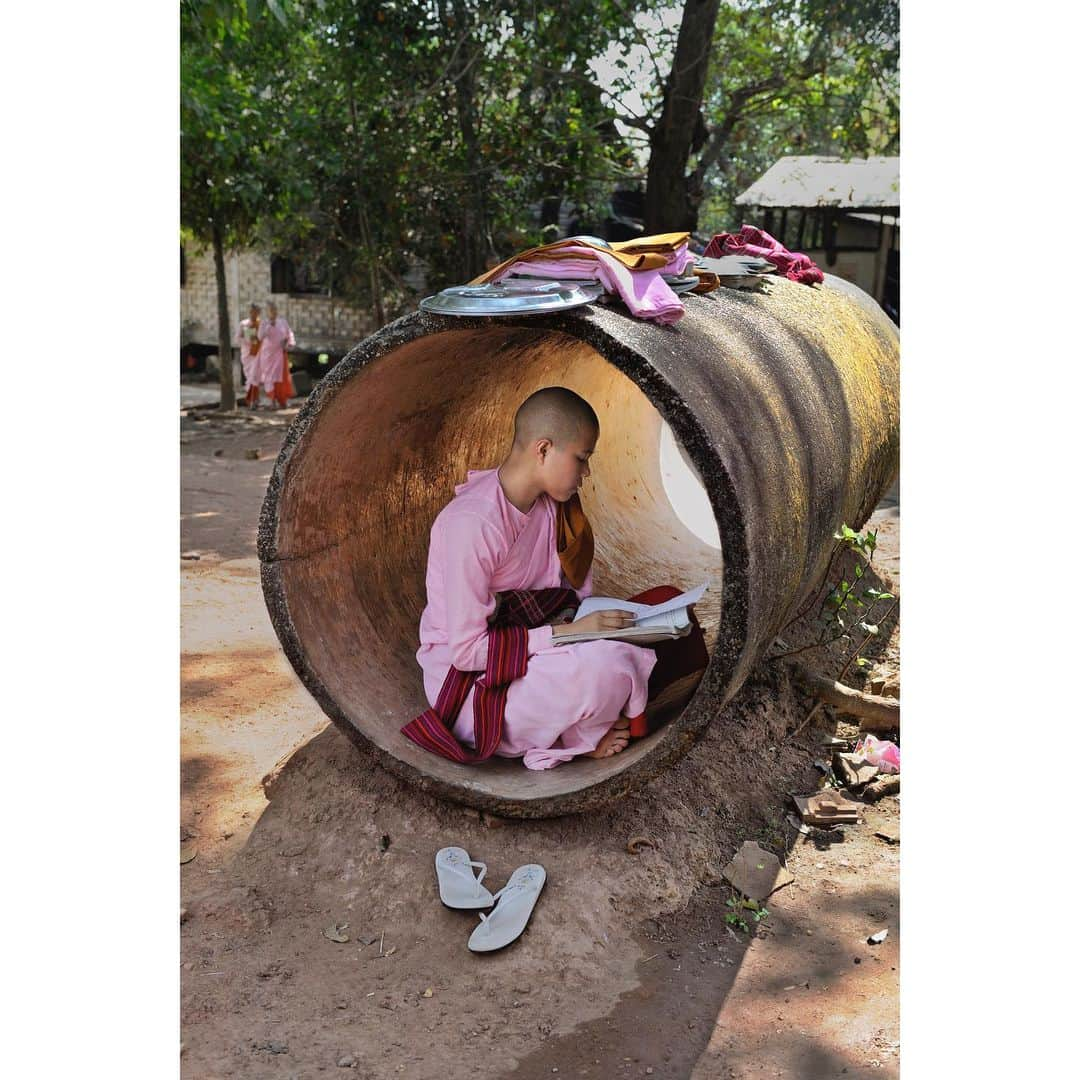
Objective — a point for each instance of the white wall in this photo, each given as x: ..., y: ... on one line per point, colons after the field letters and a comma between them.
x: 319, y: 322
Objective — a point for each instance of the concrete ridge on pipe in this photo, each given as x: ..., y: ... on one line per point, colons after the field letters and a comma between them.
x: 784, y: 401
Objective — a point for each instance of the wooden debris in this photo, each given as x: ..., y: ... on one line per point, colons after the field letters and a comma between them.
x: 876, y: 714
x: 826, y: 808
x: 854, y: 771
x: 884, y: 785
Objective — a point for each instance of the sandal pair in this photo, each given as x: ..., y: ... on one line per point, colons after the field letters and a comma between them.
x: 461, y: 889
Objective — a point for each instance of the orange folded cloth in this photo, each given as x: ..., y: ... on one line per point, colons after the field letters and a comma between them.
x: 707, y: 281
x: 573, y: 540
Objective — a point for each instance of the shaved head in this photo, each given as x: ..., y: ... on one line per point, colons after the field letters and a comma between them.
x: 554, y: 413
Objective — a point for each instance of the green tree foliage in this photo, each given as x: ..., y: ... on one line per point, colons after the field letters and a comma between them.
x: 231, y: 176
x: 794, y: 77
x: 429, y: 130
x: 365, y: 137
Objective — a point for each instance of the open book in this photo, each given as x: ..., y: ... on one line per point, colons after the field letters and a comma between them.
x: 653, y: 622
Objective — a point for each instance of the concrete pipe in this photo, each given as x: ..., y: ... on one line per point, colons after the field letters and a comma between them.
x: 732, y: 446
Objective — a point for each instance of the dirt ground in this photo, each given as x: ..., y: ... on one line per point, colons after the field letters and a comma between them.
x: 627, y: 968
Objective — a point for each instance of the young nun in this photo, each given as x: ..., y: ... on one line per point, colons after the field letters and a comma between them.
x: 509, y: 552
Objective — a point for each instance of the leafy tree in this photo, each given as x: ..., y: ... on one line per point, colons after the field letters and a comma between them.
x: 428, y: 130
x: 807, y: 77
x: 752, y: 80
x: 230, y: 173
x: 366, y: 136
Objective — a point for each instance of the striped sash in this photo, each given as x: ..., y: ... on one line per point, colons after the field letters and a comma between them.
x: 507, y: 659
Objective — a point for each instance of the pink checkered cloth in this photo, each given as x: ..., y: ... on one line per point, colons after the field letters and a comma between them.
x: 752, y: 241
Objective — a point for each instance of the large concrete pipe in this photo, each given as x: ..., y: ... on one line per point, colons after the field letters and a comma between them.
x: 732, y: 446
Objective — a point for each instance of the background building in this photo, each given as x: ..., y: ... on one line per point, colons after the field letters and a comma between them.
x: 325, y: 326
x: 844, y: 214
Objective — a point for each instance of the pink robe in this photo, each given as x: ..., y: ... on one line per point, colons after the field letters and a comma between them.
x: 270, y: 365
x: 571, y: 694
x: 248, y: 363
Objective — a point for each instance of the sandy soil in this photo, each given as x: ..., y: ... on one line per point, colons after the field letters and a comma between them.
x: 627, y: 968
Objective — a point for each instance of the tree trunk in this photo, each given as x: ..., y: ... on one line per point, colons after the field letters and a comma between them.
x: 550, y: 208
x: 373, y: 270
x: 474, y: 208
x: 225, y: 358
x: 361, y: 199
x: 667, y: 206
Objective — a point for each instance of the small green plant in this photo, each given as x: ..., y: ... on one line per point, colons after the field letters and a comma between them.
x: 735, y: 916
x: 772, y: 834
x: 848, y: 606
x: 733, y: 919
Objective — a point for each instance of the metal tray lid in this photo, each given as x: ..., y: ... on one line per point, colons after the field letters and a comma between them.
x: 736, y: 265
x: 683, y: 283
x: 512, y: 296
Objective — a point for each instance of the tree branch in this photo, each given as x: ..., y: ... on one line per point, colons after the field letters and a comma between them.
x: 643, y: 41
x: 719, y: 135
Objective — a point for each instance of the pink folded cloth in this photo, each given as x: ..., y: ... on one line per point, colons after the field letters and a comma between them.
x: 681, y: 260
x: 644, y: 292
x: 753, y: 241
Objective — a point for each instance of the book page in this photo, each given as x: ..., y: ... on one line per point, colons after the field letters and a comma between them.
x: 683, y: 600
x: 607, y: 603
x: 666, y: 620
x: 637, y: 635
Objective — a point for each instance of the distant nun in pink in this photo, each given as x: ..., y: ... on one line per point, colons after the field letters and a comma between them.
x: 272, y: 370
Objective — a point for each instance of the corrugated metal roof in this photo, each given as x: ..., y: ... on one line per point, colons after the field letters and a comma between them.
x: 827, y: 181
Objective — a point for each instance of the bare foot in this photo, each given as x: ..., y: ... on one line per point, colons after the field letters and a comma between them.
x: 614, y: 741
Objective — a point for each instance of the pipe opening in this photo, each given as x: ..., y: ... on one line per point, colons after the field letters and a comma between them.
x: 369, y: 475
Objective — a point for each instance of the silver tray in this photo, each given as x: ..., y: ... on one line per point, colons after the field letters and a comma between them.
x: 736, y: 265
x: 512, y: 297
x: 682, y: 284
x: 596, y: 241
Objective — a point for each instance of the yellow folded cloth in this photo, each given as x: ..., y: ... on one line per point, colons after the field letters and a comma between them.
x: 666, y: 242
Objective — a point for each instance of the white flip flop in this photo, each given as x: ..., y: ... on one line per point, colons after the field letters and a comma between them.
x: 517, y: 898
x: 458, y: 886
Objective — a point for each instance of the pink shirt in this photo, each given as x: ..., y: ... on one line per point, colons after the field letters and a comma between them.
x: 482, y: 544
x: 571, y: 694
x: 244, y: 339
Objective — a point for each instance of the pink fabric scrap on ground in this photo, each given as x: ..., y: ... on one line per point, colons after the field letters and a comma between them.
x: 645, y: 292
x: 880, y: 752
x: 753, y: 241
